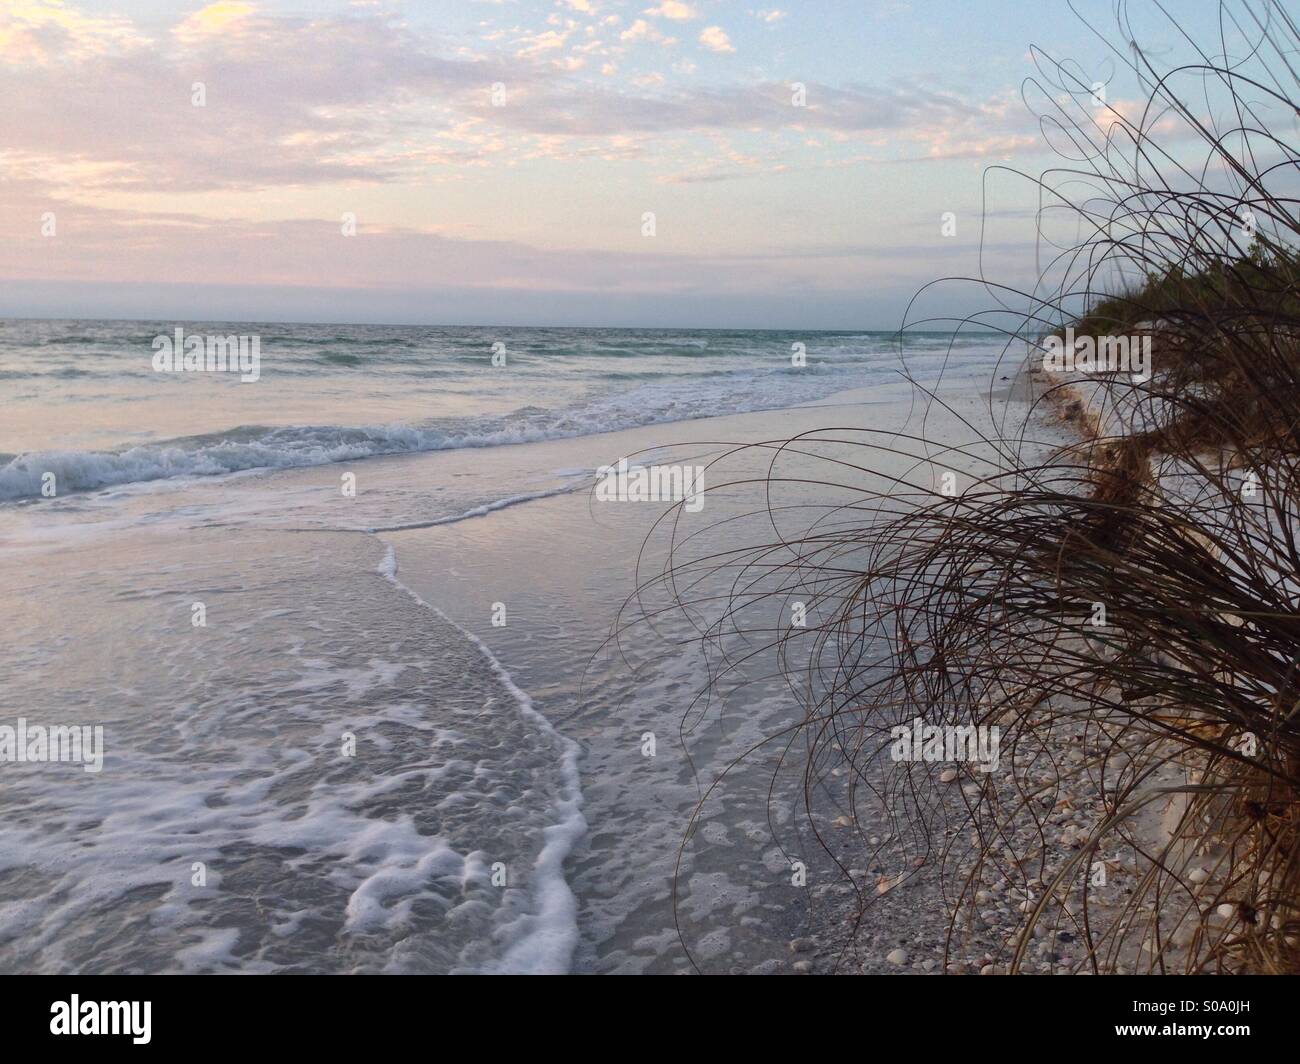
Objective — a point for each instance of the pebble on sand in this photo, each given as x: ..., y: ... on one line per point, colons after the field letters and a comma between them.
x: 898, y: 956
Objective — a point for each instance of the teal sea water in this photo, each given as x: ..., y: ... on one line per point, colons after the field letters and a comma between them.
x: 349, y: 766
x: 82, y: 398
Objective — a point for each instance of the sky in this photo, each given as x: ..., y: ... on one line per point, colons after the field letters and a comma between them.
x: 580, y: 162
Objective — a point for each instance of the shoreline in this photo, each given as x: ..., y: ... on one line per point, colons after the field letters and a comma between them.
x: 802, y: 935
x: 275, y: 633
x: 626, y: 919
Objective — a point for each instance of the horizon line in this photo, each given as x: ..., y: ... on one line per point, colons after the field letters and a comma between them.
x: 4, y: 318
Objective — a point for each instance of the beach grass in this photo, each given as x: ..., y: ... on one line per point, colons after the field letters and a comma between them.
x: 1124, y: 608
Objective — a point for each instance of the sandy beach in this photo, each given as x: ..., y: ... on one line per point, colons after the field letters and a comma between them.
x: 638, y: 829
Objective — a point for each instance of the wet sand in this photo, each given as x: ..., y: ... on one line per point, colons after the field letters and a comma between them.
x: 449, y: 839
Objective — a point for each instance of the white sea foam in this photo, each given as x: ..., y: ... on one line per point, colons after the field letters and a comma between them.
x: 378, y: 863
x: 622, y: 405
x: 542, y: 939
x: 483, y: 510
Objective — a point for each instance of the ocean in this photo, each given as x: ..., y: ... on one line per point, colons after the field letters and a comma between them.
x: 347, y: 631
x: 82, y: 398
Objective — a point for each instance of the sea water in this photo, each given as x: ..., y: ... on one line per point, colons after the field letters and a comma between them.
x: 320, y: 753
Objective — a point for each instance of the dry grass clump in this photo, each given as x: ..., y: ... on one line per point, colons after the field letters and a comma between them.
x: 1177, y: 514
x: 1125, y: 610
